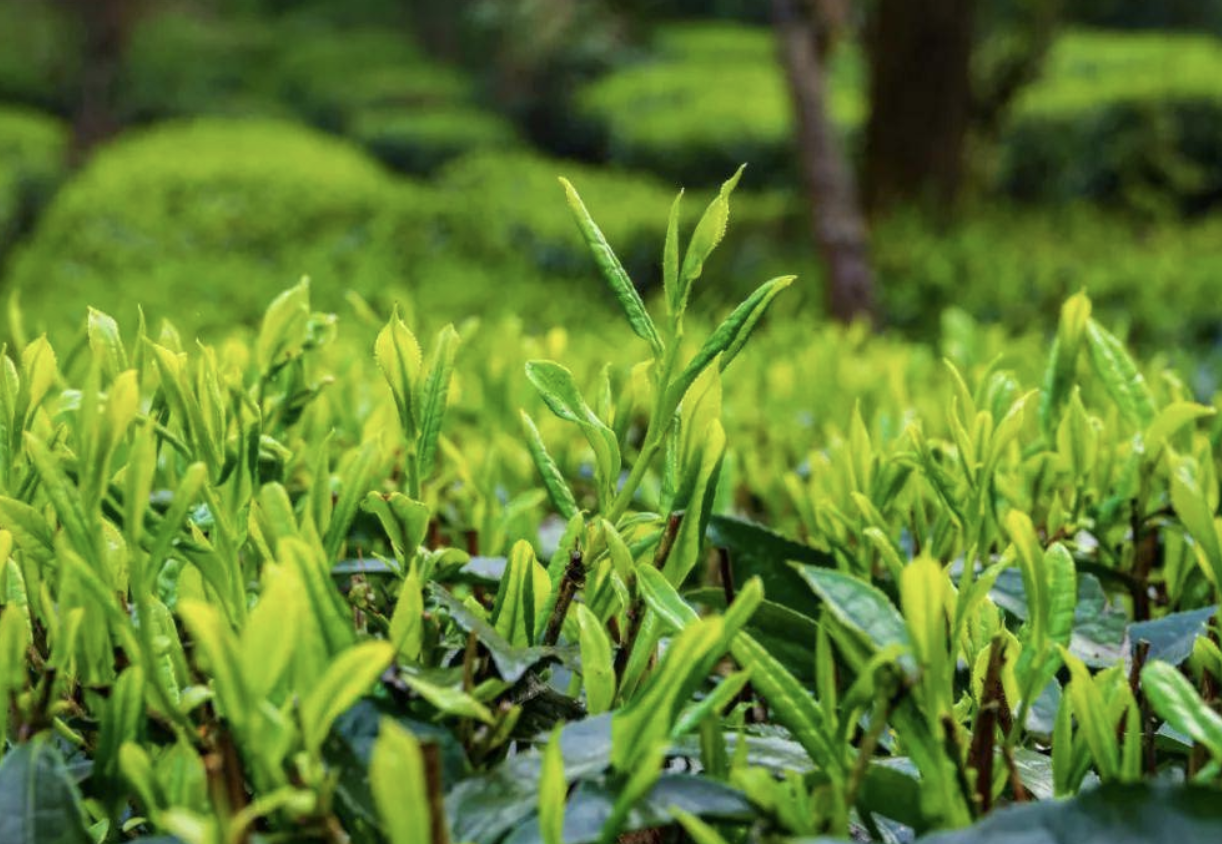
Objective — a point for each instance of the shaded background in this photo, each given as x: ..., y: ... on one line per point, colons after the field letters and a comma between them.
x: 993, y: 156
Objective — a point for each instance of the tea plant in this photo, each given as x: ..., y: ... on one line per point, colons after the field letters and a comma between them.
x: 318, y: 588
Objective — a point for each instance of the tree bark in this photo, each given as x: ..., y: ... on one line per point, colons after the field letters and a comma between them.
x: 105, y: 26
x: 837, y: 223
x: 920, y: 102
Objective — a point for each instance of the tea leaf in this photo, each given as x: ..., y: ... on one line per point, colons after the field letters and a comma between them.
x: 708, y: 234
x: 559, y: 392
x: 699, y: 831
x: 553, y: 790
x: 450, y: 701
x: 1120, y: 376
x: 405, y: 521
x: 648, y: 719
x: 39, y: 802
x: 270, y: 637
x: 613, y: 272
x: 105, y: 343
x: 557, y: 489
x: 859, y: 606
x: 729, y: 338
x: 400, y: 786
x: 598, y: 675
x: 523, y: 595
x: 216, y: 645
x: 1170, y: 420
x: 1089, y: 708
x: 345, y: 681
x: 398, y: 355
x: 434, y: 393
x: 1076, y: 438
x: 670, y: 263
x: 67, y: 503
x: 1063, y: 362
x: 791, y: 703
x: 1177, y: 702
x: 407, y: 622
x: 284, y: 326
x: 30, y: 530
x: 1194, y: 510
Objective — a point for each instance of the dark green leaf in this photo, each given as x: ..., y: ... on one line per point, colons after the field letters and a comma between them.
x: 511, y: 662
x: 858, y: 606
x: 1171, y: 637
x: 591, y: 804
x: 39, y: 803
x: 1110, y: 814
x: 1098, y: 628
x: 785, y: 633
x: 349, y: 748
x: 757, y: 551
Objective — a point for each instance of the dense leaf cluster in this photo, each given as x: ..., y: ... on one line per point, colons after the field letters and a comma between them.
x: 323, y: 588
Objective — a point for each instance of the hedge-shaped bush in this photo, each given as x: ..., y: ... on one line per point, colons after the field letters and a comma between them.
x: 1142, y: 14
x: 379, y: 88
x: 501, y: 204
x: 373, y: 85
x: 708, y: 96
x: 1014, y: 265
x: 179, y: 63
x: 1135, y: 117
x: 37, y: 61
x: 327, y: 75
x: 202, y: 219
x: 1116, y: 116
x: 33, y: 148
x: 419, y: 140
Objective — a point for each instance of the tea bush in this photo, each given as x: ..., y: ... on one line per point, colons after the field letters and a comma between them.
x: 329, y: 585
x: 421, y: 140
x: 35, y: 67
x: 201, y: 219
x: 378, y: 88
x: 183, y: 64
x: 708, y: 97
x: 1114, y: 116
x: 219, y: 212
x: 503, y: 204
x: 1179, y: 14
x: 1132, y: 117
x: 1034, y: 259
x: 33, y: 152
x: 326, y: 78
x: 374, y: 86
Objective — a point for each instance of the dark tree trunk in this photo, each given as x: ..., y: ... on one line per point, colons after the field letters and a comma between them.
x: 920, y: 102
x: 105, y: 26
x: 438, y: 24
x: 837, y: 224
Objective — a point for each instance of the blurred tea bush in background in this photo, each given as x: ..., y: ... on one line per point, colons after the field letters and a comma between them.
x: 408, y: 150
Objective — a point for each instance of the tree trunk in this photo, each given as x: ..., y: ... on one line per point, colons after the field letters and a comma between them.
x: 920, y: 102
x: 105, y: 26
x: 836, y: 221
x: 439, y: 24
